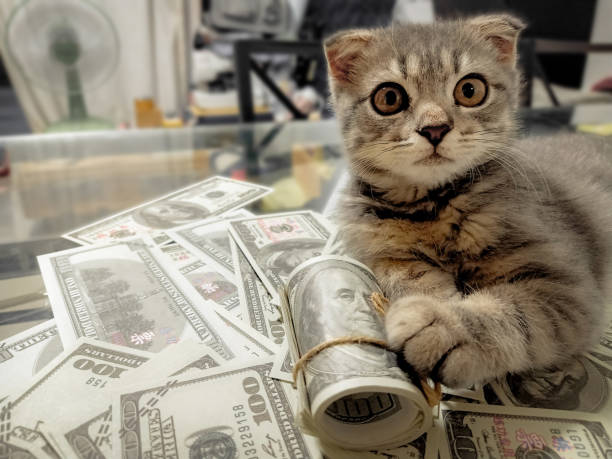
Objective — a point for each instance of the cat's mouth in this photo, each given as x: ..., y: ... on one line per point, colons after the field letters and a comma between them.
x: 433, y: 159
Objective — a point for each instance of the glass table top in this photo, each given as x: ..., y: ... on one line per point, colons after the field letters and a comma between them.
x: 59, y: 182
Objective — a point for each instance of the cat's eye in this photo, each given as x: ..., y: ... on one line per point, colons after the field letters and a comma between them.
x: 389, y: 99
x: 471, y: 90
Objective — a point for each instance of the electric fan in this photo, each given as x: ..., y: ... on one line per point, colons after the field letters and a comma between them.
x: 67, y: 47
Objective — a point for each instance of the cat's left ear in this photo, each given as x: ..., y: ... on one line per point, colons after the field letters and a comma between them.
x: 502, y: 31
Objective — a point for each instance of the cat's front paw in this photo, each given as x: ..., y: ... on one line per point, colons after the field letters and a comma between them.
x: 434, y: 341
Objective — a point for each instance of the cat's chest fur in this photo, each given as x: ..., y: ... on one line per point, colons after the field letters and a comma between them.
x: 456, y: 235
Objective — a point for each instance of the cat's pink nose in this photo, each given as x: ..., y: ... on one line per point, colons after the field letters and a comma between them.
x: 434, y: 133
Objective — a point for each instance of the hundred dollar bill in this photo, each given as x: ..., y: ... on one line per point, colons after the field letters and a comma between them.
x: 181, y: 359
x: 207, y: 199
x: 68, y: 393
x: 257, y: 309
x: 212, y: 285
x: 276, y: 244
x: 283, y: 365
x: 469, y: 430
x: 27, y: 444
x: 246, y: 341
x: 420, y: 448
x: 177, y: 253
x: 354, y: 395
x: 177, y: 360
x: 209, y: 242
x: 127, y: 293
x: 605, y: 342
x: 249, y: 415
x: 580, y: 385
x: 208, y: 282
x: 24, y: 354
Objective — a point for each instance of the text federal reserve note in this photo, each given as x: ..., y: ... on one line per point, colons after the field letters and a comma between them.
x: 127, y: 293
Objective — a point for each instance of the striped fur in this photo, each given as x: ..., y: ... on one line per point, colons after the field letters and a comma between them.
x: 496, y: 260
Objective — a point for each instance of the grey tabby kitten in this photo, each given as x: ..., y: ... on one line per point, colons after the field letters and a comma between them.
x: 494, y: 252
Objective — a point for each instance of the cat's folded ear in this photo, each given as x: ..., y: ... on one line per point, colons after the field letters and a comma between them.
x: 343, y: 51
x: 501, y: 30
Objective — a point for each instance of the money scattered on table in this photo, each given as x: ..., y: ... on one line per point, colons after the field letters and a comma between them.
x: 209, y: 242
x: 126, y: 293
x: 250, y: 416
x: 212, y: 285
x: 177, y: 253
x: 283, y: 364
x: 257, y: 308
x: 79, y: 380
x: 176, y: 360
x: 580, y: 385
x: 356, y: 395
x: 184, y: 336
x: 204, y: 200
x: 27, y: 443
x: 24, y: 354
x: 276, y: 244
x: 247, y: 342
x: 468, y: 430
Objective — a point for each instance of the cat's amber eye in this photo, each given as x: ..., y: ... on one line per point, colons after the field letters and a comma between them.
x: 389, y: 99
x: 471, y: 90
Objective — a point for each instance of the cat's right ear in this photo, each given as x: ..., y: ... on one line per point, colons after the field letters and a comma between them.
x: 502, y: 31
x: 343, y: 52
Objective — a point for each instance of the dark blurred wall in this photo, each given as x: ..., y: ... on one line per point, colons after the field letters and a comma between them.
x: 553, y: 19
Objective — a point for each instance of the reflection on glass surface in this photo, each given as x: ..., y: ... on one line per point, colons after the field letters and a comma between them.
x: 60, y: 182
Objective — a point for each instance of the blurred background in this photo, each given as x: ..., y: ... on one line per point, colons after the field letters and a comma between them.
x: 70, y: 65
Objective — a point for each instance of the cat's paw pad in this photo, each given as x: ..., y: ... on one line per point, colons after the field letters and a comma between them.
x: 433, y: 340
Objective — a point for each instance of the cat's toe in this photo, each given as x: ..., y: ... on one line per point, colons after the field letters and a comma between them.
x: 463, y: 366
x: 419, y: 327
x: 406, y: 317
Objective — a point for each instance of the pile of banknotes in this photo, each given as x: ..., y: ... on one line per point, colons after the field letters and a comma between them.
x: 177, y: 324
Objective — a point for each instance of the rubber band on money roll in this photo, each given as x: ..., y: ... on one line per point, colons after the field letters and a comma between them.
x: 433, y: 395
x: 379, y: 302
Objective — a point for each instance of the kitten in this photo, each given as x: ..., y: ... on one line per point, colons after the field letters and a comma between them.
x: 494, y: 252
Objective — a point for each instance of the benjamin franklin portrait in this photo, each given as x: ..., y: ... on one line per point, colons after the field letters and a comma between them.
x: 577, y: 386
x: 331, y: 301
x: 169, y: 214
x: 284, y: 256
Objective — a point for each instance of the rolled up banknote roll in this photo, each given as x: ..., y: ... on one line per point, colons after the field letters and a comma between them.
x: 353, y: 395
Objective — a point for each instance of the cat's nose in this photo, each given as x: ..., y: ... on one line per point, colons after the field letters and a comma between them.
x: 434, y: 133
